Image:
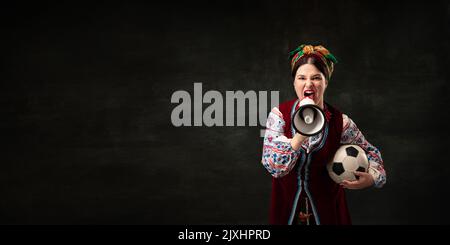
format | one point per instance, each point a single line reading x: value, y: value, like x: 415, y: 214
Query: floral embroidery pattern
x: 279, y: 157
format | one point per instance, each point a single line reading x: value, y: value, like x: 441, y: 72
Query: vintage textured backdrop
x: 85, y: 97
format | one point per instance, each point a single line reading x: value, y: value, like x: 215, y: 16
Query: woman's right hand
x: 297, y: 141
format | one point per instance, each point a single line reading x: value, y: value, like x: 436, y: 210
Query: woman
x: 302, y: 191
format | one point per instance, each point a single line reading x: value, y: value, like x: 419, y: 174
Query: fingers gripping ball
x: 348, y: 158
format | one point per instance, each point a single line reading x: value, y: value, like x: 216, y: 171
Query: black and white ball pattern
x: 348, y: 158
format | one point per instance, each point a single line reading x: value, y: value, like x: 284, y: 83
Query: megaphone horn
x: 308, y: 119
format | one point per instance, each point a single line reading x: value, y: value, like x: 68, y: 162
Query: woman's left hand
x: 365, y: 180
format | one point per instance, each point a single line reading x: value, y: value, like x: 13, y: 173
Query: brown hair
x: 312, y: 59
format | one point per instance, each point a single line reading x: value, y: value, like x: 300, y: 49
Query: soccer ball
x: 348, y: 158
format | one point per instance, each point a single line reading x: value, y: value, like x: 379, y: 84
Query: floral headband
x: 319, y: 51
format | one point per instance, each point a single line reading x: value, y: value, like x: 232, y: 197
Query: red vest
x: 309, y: 178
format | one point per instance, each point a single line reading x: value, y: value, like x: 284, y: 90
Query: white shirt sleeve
x: 278, y: 155
x: 352, y: 135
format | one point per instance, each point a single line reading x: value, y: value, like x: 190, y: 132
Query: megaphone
x: 308, y: 119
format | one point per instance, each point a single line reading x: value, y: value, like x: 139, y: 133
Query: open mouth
x: 309, y: 93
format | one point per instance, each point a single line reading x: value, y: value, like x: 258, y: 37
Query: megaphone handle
x: 297, y: 141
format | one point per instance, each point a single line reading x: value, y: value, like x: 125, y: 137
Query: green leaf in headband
x: 332, y: 58
x: 298, y: 49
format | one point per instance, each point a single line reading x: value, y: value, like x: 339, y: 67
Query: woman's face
x: 310, y: 82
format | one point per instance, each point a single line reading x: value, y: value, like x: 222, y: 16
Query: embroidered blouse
x: 279, y: 157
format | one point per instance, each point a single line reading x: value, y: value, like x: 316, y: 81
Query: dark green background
x: 85, y: 98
